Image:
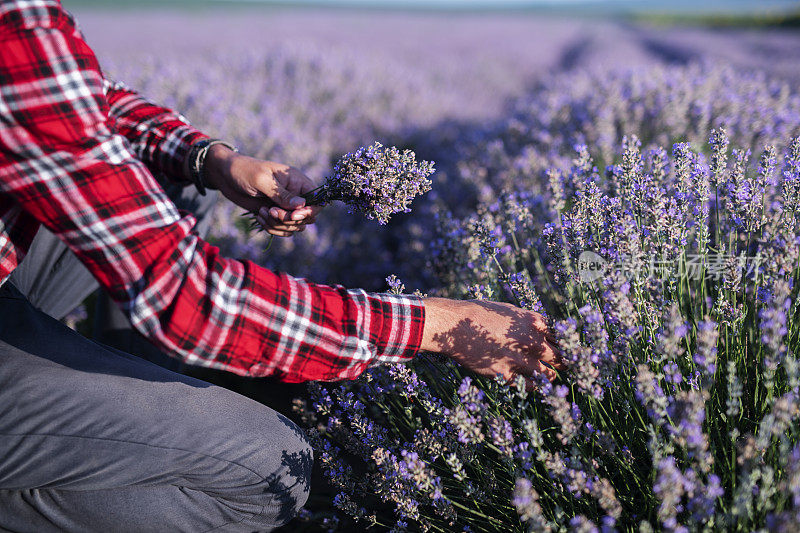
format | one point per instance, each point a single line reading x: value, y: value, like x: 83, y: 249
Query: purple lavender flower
x: 581, y: 524
x: 670, y: 488
x: 582, y: 362
x: 705, y: 356
x: 471, y: 396
x: 687, y: 413
x: 650, y: 394
x: 375, y: 181
x: 526, y: 500
x: 395, y: 285
x: 719, y: 155
x: 466, y: 424
x: 502, y: 435
x: 791, y: 178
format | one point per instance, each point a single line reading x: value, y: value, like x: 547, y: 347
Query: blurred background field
x: 461, y: 84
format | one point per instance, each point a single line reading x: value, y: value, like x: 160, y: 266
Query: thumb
x: 285, y: 198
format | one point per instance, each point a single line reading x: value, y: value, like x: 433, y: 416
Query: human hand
x: 270, y: 190
x: 491, y: 338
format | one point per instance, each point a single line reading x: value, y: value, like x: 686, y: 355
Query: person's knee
x: 269, y: 457
x: 293, y: 485
x: 283, y: 459
x: 285, y: 490
x: 297, y: 460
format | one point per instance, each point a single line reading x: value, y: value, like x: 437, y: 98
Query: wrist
x: 441, y: 317
x: 218, y: 165
x: 197, y: 163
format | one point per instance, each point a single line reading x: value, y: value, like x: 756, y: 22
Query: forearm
x: 159, y: 137
x: 219, y: 165
x: 442, y: 317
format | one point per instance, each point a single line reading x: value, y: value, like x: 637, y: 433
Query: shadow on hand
x: 501, y: 339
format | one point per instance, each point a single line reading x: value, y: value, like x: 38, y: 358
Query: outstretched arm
x: 491, y: 338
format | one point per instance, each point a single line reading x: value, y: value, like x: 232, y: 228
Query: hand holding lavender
x: 376, y: 181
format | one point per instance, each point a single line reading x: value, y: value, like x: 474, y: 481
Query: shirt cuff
x: 396, y: 326
x: 177, y: 145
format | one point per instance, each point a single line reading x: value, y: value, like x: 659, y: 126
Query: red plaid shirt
x: 76, y: 154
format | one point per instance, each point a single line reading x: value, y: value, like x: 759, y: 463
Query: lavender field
x: 668, y: 154
x: 304, y: 87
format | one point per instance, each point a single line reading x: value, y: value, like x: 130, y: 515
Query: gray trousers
x: 95, y: 439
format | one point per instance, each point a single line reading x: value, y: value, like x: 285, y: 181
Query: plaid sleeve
x: 64, y: 164
x: 158, y: 136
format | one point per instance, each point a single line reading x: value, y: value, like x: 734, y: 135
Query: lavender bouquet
x: 375, y: 181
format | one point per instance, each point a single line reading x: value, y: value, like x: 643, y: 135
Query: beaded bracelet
x: 197, y: 161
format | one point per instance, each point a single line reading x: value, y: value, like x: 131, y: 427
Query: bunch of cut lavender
x: 375, y: 181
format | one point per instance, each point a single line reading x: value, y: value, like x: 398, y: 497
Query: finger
x: 537, y: 367
x: 279, y: 233
x: 270, y: 224
x: 302, y: 215
x: 314, y: 210
x: 279, y: 216
x: 272, y: 188
x: 306, y: 221
x: 307, y: 214
x: 552, y: 357
x: 291, y: 224
x: 545, y: 362
x: 540, y: 325
x: 548, y: 372
x: 262, y: 222
x: 276, y: 213
x: 539, y: 321
x: 559, y: 362
x: 296, y: 217
x: 282, y: 227
x: 286, y: 225
x: 298, y: 183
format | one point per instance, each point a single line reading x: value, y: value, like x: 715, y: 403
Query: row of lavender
x: 670, y: 278
x: 304, y: 88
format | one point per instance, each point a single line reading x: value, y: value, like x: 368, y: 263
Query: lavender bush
x: 679, y: 409
x: 596, y: 107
